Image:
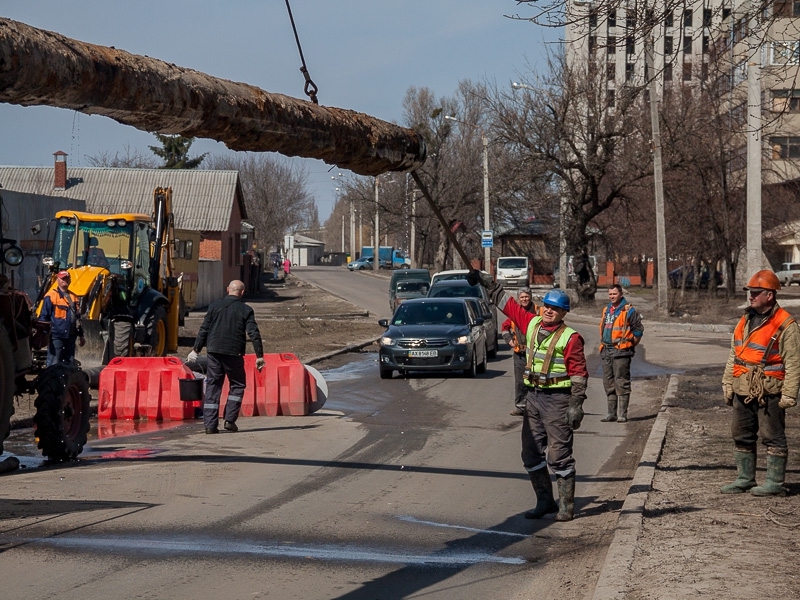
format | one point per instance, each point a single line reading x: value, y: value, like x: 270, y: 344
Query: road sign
x: 487, y: 234
x: 487, y: 243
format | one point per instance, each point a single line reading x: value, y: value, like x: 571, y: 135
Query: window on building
x: 787, y: 8
x: 593, y: 19
x: 687, y: 18
x: 611, y: 71
x: 705, y: 44
x: 668, y: 19
x: 629, y: 72
x: 592, y: 43
x: 687, y: 44
x: 630, y: 45
x: 668, y: 49
x: 667, y: 72
x: 630, y: 22
x: 726, y: 13
x: 740, y: 30
x: 784, y: 53
x: 786, y: 100
x: 612, y: 19
x: 610, y: 98
x: 785, y: 147
x: 706, y: 17
x: 611, y: 45
x: 687, y: 71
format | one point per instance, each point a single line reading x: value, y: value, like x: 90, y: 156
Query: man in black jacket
x: 223, y: 331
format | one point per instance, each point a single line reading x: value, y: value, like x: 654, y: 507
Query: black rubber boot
x: 612, y: 410
x: 623, y: 409
x: 776, y: 475
x: 545, y: 503
x: 566, y: 498
x: 746, y: 469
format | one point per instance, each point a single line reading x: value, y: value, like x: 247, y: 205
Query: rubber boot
x: 776, y: 475
x: 623, y: 409
x: 746, y: 479
x: 612, y: 410
x: 545, y: 503
x: 566, y: 498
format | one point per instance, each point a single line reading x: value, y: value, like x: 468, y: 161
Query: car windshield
x: 511, y: 263
x: 455, y: 291
x: 430, y: 314
x: 413, y: 286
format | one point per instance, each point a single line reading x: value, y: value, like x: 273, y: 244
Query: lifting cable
x: 310, y: 88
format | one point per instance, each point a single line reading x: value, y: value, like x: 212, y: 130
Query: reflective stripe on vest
x: 556, y: 376
x: 749, y: 351
x: 621, y: 334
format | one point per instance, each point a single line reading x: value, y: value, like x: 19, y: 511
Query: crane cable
x: 310, y: 89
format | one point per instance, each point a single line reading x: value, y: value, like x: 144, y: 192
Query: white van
x: 513, y: 271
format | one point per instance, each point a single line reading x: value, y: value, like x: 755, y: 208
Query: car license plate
x: 423, y: 353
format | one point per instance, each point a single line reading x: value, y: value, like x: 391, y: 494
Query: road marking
x: 476, y: 530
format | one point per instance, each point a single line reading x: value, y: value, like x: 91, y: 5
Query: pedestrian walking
x: 621, y: 331
x: 224, y: 330
x: 276, y: 265
x: 515, y: 338
x: 287, y: 266
x: 762, y: 380
x: 556, y: 377
x: 60, y: 309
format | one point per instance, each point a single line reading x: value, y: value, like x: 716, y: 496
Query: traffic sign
x: 487, y: 243
x: 487, y: 234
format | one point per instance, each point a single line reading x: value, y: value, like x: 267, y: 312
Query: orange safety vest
x: 621, y: 334
x: 518, y: 336
x: 760, y: 347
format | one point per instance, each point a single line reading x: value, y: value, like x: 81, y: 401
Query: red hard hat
x: 63, y: 275
x: 764, y: 280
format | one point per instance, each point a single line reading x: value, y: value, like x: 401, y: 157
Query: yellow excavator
x: 121, y: 268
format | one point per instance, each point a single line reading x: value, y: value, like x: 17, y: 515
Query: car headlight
x: 462, y: 339
x: 387, y: 341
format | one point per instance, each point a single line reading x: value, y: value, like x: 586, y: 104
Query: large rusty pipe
x: 40, y: 67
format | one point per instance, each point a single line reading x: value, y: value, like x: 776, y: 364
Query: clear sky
x: 362, y: 54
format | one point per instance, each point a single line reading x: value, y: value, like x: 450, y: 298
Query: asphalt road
x: 405, y: 488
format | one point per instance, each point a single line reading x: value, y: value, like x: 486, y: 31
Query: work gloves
x: 476, y: 277
x: 787, y: 402
x: 192, y: 356
x: 727, y: 393
x: 260, y: 363
x: 576, y: 399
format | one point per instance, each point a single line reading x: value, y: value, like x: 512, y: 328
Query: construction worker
x: 556, y: 377
x: 515, y: 338
x: 60, y: 309
x: 620, y: 332
x: 223, y: 330
x: 762, y: 380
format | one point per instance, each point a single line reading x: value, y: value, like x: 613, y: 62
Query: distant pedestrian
x: 276, y: 265
x: 60, y: 309
x: 223, y: 330
x: 762, y: 380
x: 621, y: 331
x: 515, y: 338
x: 287, y: 266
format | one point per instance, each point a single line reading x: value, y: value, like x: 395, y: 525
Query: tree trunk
x: 39, y: 67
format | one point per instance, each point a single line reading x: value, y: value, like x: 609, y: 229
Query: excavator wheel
x: 62, y: 412
x: 6, y: 385
x: 157, y: 331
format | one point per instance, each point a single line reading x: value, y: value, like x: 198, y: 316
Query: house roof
x: 202, y: 200
x: 304, y: 240
x: 531, y: 228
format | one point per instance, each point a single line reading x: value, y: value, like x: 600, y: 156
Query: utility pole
x: 376, y: 261
x: 412, y: 243
x: 487, y: 251
x: 661, y: 236
x: 754, y: 260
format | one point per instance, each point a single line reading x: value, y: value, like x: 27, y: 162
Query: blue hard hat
x: 558, y: 298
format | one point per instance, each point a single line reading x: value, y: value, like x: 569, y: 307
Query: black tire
x: 62, y: 412
x: 6, y: 385
x: 157, y: 331
x: 472, y: 370
x: 123, y: 331
x: 493, y: 352
x: 386, y: 373
x: 481, y: 368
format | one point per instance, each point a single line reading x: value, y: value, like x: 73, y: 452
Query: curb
x: 611, y: 584
x: 342, y: 350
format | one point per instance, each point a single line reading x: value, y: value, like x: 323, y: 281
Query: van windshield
x: 512, y: 263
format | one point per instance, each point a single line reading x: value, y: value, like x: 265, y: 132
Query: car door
x: 477, y: 330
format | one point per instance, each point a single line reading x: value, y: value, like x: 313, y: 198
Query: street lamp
x: 562, y: 217
x: 487, y: 251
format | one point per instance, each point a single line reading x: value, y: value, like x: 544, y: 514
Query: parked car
x: 460, y: 288
x: 406, y: 290
x: 452, y: 275
x: 420, y: 276
x: 789, y: 274
x: 676, y: 277
x: 483, y: 309
x: 433, y: 334
x: 365, y: 263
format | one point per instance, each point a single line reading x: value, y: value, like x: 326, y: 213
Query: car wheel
x: 481, y: 368
x: 472, y: 370
x: 493, y: 352
x: 386, y: 373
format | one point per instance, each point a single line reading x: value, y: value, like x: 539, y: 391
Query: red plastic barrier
x: 133, y: 388
x: 283, y: 387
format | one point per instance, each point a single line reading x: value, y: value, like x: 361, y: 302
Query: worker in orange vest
x: 516, y: 341
x: 762, y: 380
x: 60, y: 309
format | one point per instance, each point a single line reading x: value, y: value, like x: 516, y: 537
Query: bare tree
x: 126, y: 158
